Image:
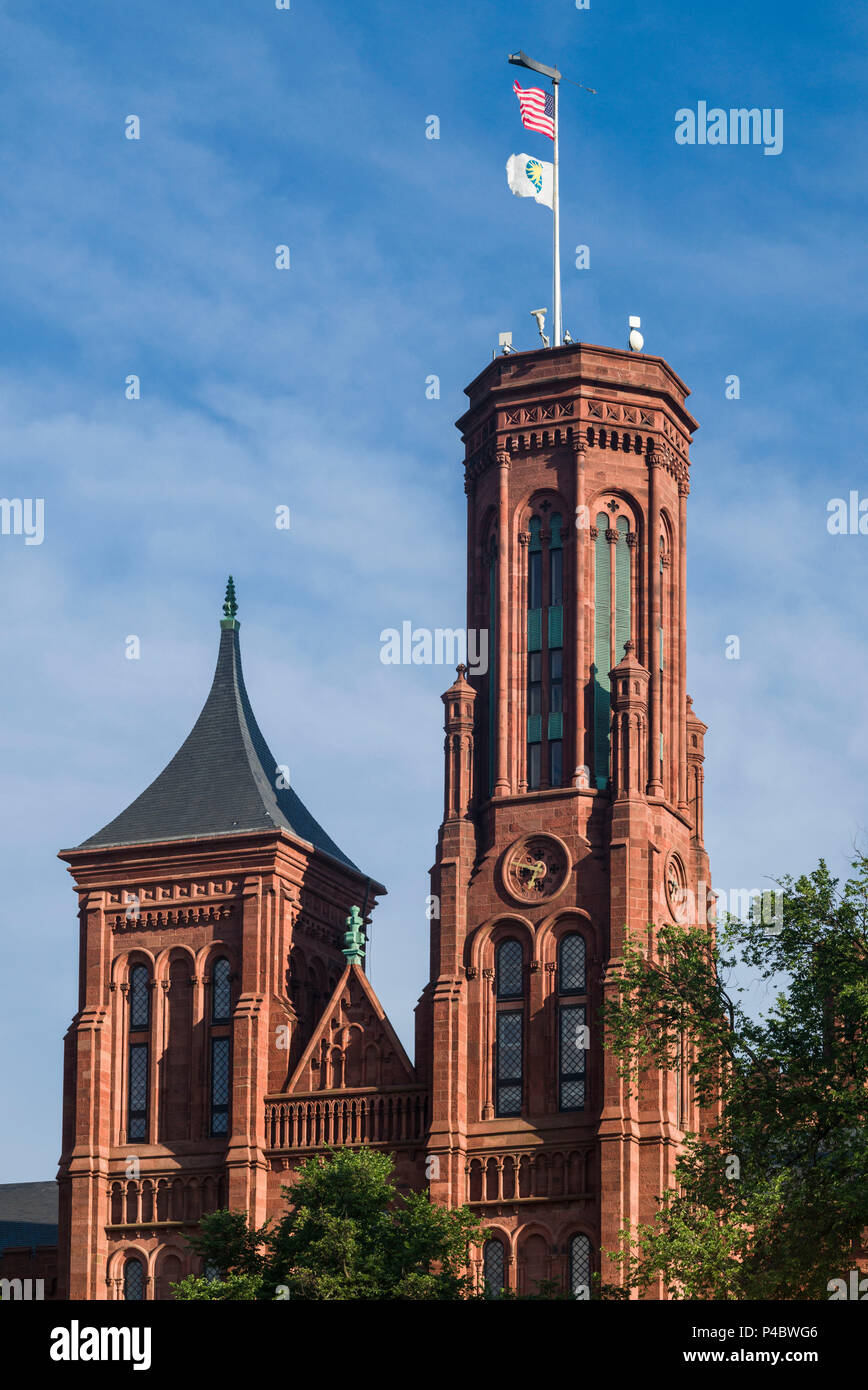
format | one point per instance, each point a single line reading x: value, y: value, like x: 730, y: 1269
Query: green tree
x: 771, y: 1198
x: 347, y: 1233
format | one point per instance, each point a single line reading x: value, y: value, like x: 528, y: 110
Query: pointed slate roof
x: 223, y: 779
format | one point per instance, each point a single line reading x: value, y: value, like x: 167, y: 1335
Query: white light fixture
x: 540, y: 316
x: 636, y: 341
x: 504, y: 340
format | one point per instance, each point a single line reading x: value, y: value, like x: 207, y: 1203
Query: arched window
x: 509, y: 970
x: 572, y: 1022
x: 138, y: 1062
x: 221, y: 991
x: 571, y: 964
x: 173, y: 1070
x: 545, y: 655
x: 492, y: 661
x: 509, y: 1035
x: 494, y: 1266
x: 613, y: 621
x: 140, y: 998
x: 170, y: 1273
x: 580, y: 1267
x: 134, y: 1280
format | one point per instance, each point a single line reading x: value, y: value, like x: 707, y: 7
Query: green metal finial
x: 354, y: 939
x: 230, y: 606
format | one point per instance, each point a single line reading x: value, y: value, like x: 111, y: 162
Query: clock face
x: 676, y: 888
x: 536, y: 868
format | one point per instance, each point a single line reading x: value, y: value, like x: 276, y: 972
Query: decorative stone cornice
x: 172, y: 917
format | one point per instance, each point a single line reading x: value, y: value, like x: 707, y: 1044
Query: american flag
x: 537, y: 109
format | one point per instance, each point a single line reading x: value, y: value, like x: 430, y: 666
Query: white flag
x: 530, y: 178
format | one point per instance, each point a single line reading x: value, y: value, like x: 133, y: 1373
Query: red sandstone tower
x: 219, y: 1016
x: 573, y: 806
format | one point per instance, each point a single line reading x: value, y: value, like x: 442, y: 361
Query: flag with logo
x: 530, y: 178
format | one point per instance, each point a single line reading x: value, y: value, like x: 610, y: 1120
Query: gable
x: 354, y: 1044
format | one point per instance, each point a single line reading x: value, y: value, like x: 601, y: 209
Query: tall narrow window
x: 572, y: 1020
x: 602, y: 651
x: 545, y: 640
x: 221, y: 991
x: 173, y: 1068
x: 492, y: 661
x: 534, y: 719
x: 140, y: 998
x: 662, y: 653
x: 509, y: 971
x: 580, y: 1266
x: 571, y: 964
x: 219, y: 1086
x: 509, y: 1028
x: 138, y: 1060
x: 623, y: 594
x: 680, y: 1088
x: 555, y: 644
x: 493, y: 1264
x: 134, y: 1281
x: 510, y: 1041
x: 534, y: 653
x: 221, y: 1046
x: 613, y: 619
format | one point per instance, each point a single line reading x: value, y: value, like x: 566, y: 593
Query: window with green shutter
x: 613, y: 627
x: 602, y: 652
x: 492, y: 660
x: 545, y: 640
x: 622, y: 588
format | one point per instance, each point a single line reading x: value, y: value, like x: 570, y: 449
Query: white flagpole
x: 557, y: 229
x: 521, y: 60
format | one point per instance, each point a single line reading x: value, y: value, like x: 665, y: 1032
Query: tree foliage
x: 771, y: 1197
x: 347, y: 1233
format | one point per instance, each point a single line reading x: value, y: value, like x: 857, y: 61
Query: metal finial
x: 230, y: 606
x: 354, y: 938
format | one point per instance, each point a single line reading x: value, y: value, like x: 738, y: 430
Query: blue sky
x: 307, y: 388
